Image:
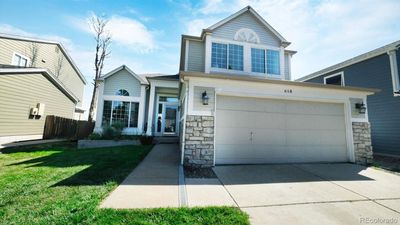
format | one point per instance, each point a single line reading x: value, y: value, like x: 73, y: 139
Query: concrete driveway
x: 313, y: 193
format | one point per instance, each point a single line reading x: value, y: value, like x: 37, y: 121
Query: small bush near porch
x: 57, y: 184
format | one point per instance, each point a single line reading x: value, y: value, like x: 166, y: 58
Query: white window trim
x: 394, y: 72
x: 334, y: 75
x: 246, y: 58
x: 15, y: 54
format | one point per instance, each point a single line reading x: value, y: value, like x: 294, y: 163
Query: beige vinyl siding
x: 122, y: 80
x: 247, y: 20
x: 198, y: 102
x: 19, y: 93
x: 48, y: 55
x: 196, y: 56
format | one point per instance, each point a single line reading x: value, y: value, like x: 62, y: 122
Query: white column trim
x: 150, y: 111
x: 207, y: 61
x: 99, y: 110
x: 186, y: 54
x: 141, y: 108
x: 394, y: 71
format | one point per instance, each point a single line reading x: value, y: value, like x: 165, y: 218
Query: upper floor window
x: 335, y: 79
x: 19, y: 60
x: 257, y: 60
x: 273, y: 65
x: 218, y: 55
x: 227, y: 56
x: 265, y: 61
x: 122, y: 92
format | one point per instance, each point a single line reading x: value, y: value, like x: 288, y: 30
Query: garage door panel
x: 315, y: 138
x: 253, y: 104
x: 315, y: 108
x: 233, y: 136
x: 314, y: 122
x: 282, y: 131
x: 243, y: 119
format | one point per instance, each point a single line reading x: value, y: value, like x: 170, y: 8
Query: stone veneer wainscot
x: 362, y: 143
x: 199, y: 141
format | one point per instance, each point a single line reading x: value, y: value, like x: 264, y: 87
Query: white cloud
x: 323, y: 32
x: 124, y: 31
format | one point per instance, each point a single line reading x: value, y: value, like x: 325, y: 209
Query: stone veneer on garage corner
x: 199, y: 141
x: 362, y: 143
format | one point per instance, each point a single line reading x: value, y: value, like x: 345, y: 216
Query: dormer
x: 243, y: 43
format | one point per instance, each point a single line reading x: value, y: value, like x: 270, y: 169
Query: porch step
x: 166, y: 140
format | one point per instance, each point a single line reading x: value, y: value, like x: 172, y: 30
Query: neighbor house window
x: 335, y: 79
x: 122, y: 92
x: 273, y: 65
x: 227, y: 56
x: 122, y: 112
x: 19, y: 60
x: 257, y: 60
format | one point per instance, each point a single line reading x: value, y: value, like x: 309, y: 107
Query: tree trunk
x: 92, y: 102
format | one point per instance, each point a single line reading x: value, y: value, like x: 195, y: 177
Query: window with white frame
x: 273, y: 64
x: 122, y: 92
x: 335, y: 79
x: 265, y: 60
x: 19, y: 60
x: 257, y: 60
x: 227, y: 56
x: 121, y: 112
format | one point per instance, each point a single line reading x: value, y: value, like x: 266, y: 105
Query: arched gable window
x: 122, y: 92
x: 247, y: 35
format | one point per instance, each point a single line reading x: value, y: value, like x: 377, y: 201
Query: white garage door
x: 255, y: 130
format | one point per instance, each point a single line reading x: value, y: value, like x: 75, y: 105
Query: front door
x: 166, y: 121
x: 170, y: 120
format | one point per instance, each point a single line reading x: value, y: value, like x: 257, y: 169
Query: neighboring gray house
x: 37, y: 78
x: 379, y: 69
x: 234, y: 103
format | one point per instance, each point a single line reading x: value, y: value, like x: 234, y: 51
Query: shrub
x: 95, y: 136
x: 118, y: 127
x: 146, y: 140
x: 108, y: 132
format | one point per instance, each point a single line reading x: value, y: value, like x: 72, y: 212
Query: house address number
x: 288, y: 91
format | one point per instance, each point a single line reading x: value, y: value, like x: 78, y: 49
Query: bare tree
x: 33, y: 53
x: 59, y: 65
x: 103, y: 41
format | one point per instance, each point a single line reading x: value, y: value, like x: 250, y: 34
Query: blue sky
x: 146, y: 34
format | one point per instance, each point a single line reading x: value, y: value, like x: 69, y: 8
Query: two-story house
x: 378, y: 68
x: 37, y: 78
x: 234, y: 103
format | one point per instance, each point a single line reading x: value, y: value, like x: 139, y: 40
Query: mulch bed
x: 387, y: 163
x: 199, y: 172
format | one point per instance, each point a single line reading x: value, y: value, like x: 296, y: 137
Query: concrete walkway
x: 152, y: 184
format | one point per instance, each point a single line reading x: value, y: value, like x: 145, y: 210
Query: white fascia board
x: 270, y: 90
x: 116, y: 70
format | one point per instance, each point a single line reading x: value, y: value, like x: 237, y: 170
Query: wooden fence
x: 59, y: 127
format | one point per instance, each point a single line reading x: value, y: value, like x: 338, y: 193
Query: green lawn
x: 58, y: 184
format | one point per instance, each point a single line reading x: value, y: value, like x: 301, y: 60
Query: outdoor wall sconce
x: 205, y: 98
x: 361, y: 108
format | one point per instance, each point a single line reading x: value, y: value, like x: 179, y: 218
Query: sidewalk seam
x: 182, y: 188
